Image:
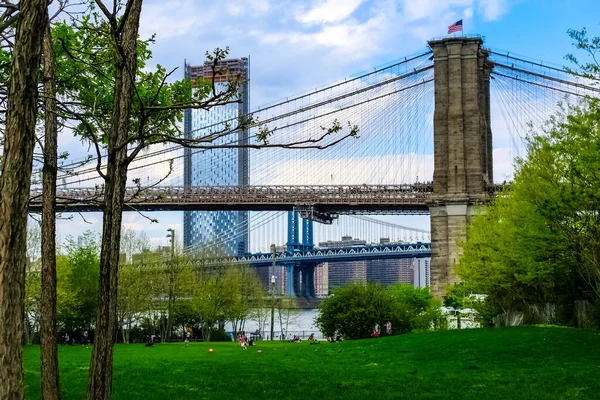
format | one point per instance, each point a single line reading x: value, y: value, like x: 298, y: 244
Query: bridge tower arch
x: 462, y: 150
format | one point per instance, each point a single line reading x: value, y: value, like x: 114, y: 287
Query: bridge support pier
x: 300, y: 277
x: 300, y: 280
x: 462, y: 150
x: 297, y: 281
x: 448, y: 232
x: 308, y: 281
x: 289, y: 283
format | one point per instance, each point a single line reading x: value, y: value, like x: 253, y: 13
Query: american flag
x: 455, y: 27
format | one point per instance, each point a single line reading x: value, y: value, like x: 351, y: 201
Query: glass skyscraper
x: 224, y: 232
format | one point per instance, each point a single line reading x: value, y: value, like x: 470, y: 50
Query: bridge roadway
x: 351, y: 253
x: 409, y: 198
x: 319, y: 255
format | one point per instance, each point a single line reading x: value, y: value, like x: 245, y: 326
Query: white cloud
x: 171, y: 19
x: 245, y: 7
x: 427, y: 9
x: 468, y: 13
x: 329, y: 11
x: 93, y: 221
x: 352, y: 40
x: 493, y: 9
x: 503, y: 164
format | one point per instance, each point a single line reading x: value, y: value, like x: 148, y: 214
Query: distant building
x: 346, y: 241
x: 225, y: 231
x: 390, y: 272
x: 421, y: 271
x: 322, y: 280
x: 343, y: 272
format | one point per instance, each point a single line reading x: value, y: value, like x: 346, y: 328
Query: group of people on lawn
x: 244, y: 341
x: 377, y: 329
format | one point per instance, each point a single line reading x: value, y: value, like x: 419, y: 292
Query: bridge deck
x: 406, y: 199
x: 338, y: 199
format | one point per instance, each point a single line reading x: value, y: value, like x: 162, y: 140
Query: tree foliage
x: 354, y: 309
x: 540, y: 242
x: 77, y: 276
x: 288, y: 310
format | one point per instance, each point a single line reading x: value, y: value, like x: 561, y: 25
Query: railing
x: 338, y: 199
x: 396, y: 250
x: 242, y: 197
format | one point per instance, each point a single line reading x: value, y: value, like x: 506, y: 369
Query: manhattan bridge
x: 424, y: 147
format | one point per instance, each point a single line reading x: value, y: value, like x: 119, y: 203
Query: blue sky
x: 296, y: 46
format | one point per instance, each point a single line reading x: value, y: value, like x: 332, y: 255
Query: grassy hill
x: 502, y: 363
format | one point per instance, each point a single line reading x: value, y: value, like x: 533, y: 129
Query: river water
x: 301, y: 323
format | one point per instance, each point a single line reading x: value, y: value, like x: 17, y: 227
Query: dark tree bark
x: 100, y: 379
x: 48, y: 348
x: 14, y: 190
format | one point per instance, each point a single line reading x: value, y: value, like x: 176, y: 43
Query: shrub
x: 416, y: 307
x: 353, y: 310
x: 219, y: 335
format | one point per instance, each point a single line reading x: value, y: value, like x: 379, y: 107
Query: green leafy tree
x: 134, y: 298
x: 414, y: 307
x: 354, y: 309
x: 213, y: 296
x: 32, y: 283
x: 539, y: 242
x: 134, y: 284
x: 247, y: 293
x: 288, y: 310
x: 77, y: 292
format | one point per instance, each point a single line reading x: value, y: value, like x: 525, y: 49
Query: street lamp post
x: 272, y: 286
x: 171, y: 299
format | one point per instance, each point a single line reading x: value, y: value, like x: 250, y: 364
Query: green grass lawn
x: 506, y: 363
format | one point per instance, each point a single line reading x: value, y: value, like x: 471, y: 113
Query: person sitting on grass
x: 149, y: 341
x: 375, y: 331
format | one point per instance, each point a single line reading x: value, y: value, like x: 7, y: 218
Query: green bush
x: 219, y: 335
x: 419, y: 307
x: 354, y: 309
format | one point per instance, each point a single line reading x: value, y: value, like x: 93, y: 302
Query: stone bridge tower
x: 462, y: 150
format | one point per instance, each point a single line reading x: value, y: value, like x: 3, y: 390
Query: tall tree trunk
x: 100, y: 378
x: 14, y: 191
x: 48, y: 348
x: 171, y: 303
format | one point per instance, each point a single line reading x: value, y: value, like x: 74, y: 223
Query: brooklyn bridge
x: 425, y: 146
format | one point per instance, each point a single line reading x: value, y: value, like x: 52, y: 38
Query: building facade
x: 390, y: 272
x: 421, y: 272
x: 218, y: 232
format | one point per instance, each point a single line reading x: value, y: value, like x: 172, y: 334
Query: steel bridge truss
x: 319, y: 255
x: 320, y: 203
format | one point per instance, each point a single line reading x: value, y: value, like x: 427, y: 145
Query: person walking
x: 188, y: 334
x: 243, y: 341
x: 388, y: 328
